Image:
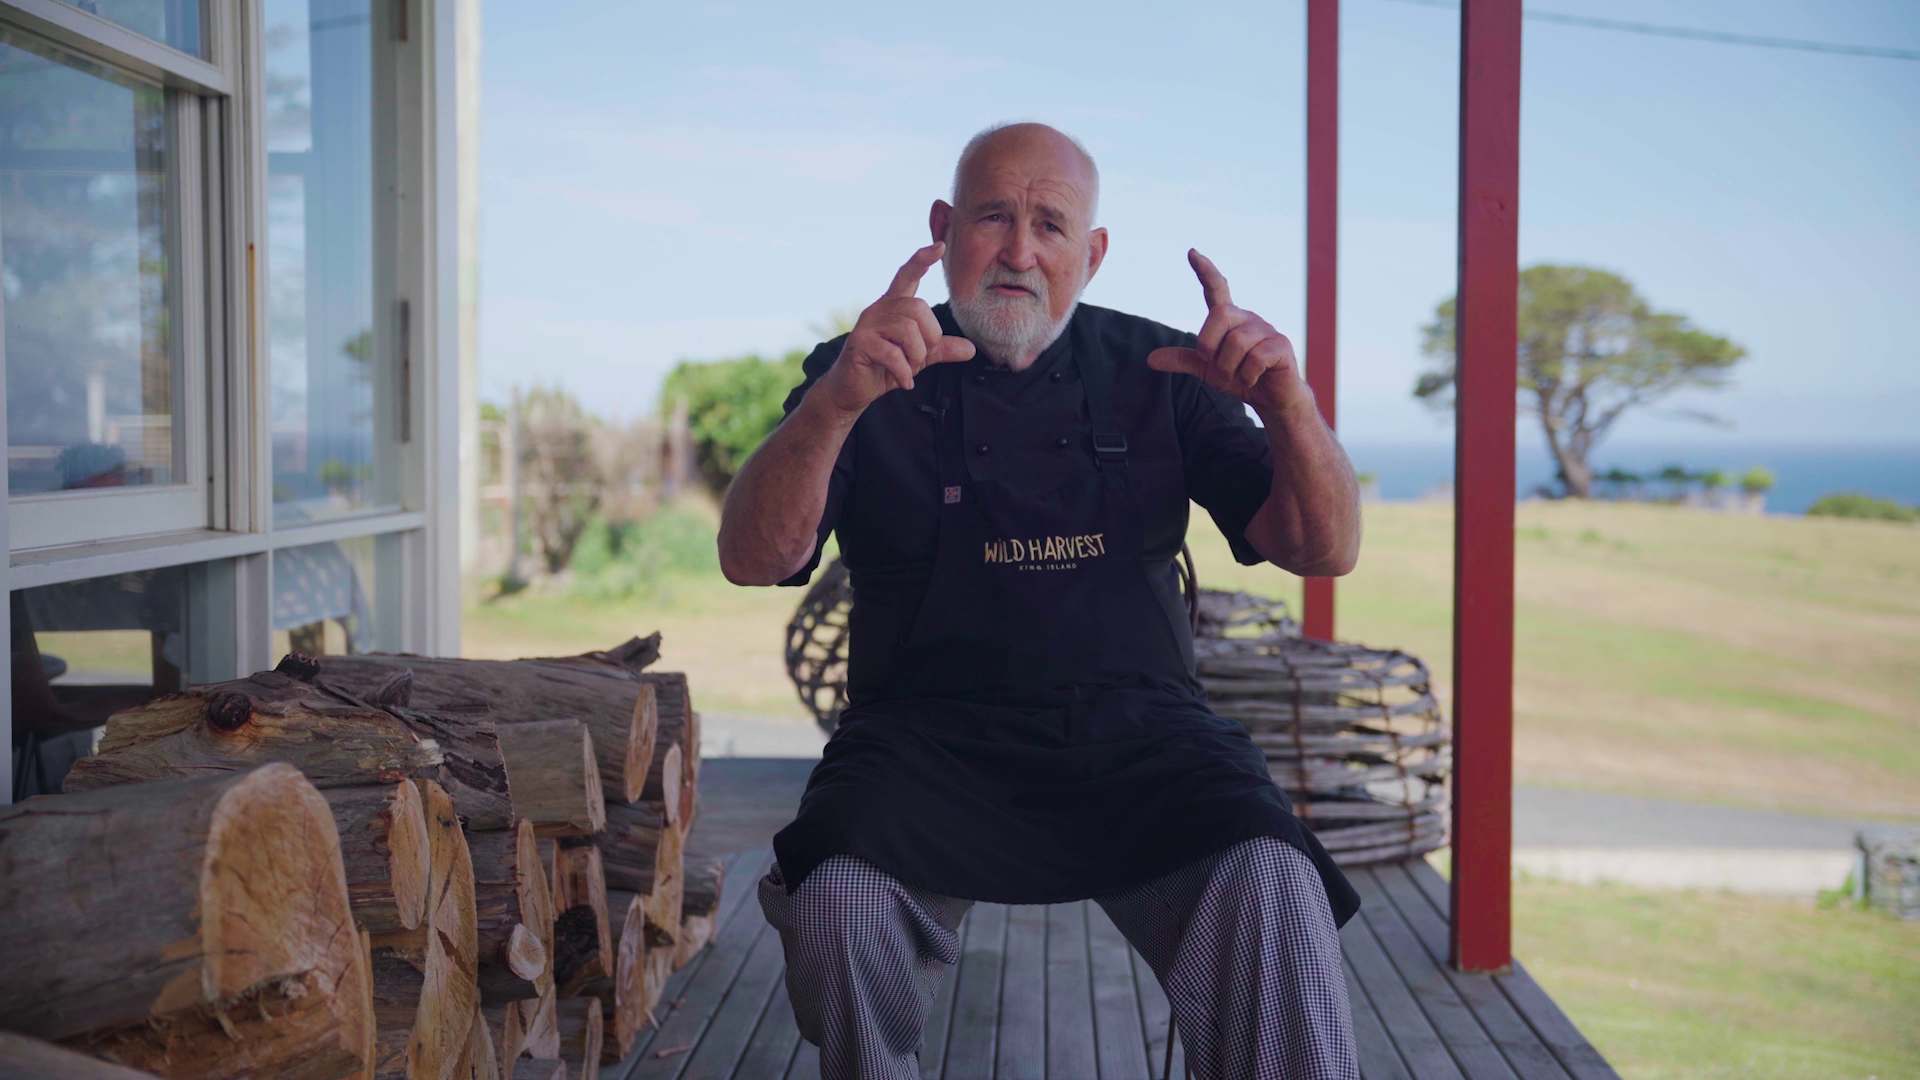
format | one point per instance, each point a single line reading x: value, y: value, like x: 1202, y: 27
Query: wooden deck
x: 1056, y: 992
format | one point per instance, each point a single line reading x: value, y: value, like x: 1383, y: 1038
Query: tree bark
x: 163, y: 924
x: 337, y: 740
x: 630, y: 846
x: 385, y: 851
x: 699, y: 907
x: 513, y: 911
x: 22, y: 1058
x: 605, y: 693
x: 582, y: 1037
x: 678, y: 726
x: 555, y: 782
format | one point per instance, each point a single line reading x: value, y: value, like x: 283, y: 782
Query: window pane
x: 171, y: 22
x: 327, y: 360
x: 338, y: 598
x: 84, y: 650
x: 84, y: 273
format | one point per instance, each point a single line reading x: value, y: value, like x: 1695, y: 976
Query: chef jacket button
x: 982, y: 449
x: 1057, y: 376
x: 979, y: 377
x: 1061, y: 442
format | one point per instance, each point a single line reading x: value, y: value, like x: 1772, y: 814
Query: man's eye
x: 1051, y: 227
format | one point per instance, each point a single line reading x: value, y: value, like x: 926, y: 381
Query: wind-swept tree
x: 1591, y: 348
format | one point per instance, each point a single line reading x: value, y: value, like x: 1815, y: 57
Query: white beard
x: 1011, y: 330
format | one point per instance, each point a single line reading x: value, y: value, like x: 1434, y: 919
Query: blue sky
x: 703, y: 180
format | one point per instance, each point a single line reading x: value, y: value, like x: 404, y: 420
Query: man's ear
x: 938, y: 219
x: 1096, y: 251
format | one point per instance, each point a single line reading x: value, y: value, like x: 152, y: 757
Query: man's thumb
x: 1178, y: 361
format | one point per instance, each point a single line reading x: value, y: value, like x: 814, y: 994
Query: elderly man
x: 1009, y: 476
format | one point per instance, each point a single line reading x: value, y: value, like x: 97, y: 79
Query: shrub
x: 732, y: 406
x: 1854, y: 505
x: 618, y: 560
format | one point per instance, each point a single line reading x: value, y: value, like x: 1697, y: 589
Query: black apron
x: 1037, y: 734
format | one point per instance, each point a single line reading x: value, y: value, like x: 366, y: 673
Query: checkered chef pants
x: 1243, y: 942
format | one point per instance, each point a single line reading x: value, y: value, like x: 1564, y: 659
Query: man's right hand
x: 893, y: 341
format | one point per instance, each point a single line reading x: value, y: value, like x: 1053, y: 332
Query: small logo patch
x: 952, y: 495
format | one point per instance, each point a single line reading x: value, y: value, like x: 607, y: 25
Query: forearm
x: 1310, y: 523
x: 771, y: 518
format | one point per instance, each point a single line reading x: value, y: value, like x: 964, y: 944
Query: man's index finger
x: 1213, y: 284
x: 906, y: 282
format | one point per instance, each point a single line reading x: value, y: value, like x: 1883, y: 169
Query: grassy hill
x: 1662, y: 650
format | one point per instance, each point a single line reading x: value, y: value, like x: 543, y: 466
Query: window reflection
x: 84, y: 273
x: 326, y: 364
x: 171, y: 22
x: 325, y: 596
x: 85, y: 650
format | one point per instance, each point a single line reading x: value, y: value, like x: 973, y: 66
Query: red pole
x: 1323, y: 249
x: 1485, y: 331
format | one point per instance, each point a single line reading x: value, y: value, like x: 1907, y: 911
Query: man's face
x: 1020, y: 244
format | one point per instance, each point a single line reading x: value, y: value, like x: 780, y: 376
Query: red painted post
x: 1323, y: 249
x: 1482, y: 938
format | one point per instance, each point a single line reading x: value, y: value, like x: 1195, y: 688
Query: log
x: 385, y: 851
x: 427, y: 980
x: 630, y: 845
x: 513, y: 910
x: 508, y: 1032
x: 582, y: 1036
x: 199, y: 923
x: 22, y: 1058
x: 336, y: 739
x: 676, y: 727
x: 665, y: 899
x: 699, y: 907
x: 580, y: 882
x: 539, y: 1018
x: 555, y: 782
x: 539, y: 1069
x: 603, y: 690
x: 478, y: 1061
x: 623, y: 996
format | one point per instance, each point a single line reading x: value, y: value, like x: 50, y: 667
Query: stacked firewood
x: 364, y: 866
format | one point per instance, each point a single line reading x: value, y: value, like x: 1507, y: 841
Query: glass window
x: 170, y: 22
x: 328, y: 356
x: 337, y: 598
x: 85, y: 650
x: 85, y: 274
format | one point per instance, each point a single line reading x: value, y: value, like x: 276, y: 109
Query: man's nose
x: 1018, y: 253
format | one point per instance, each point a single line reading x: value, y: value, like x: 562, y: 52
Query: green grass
x: 1672, y: 985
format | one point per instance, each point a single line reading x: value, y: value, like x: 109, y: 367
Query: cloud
x: 906, y: 63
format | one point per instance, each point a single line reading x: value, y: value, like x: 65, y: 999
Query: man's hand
x: 893, y: 340
x: 1240, y: 354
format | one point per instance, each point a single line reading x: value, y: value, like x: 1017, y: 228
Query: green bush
x: 732, y: 406
x: 1854, y: 505
x: 624, y: 560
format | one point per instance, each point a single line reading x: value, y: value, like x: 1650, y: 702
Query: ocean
x: 1802, y: 472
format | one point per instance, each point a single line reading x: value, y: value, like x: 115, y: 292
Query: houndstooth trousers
x: 1242, y: 941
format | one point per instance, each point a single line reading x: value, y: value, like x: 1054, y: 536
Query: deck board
x: 1056, y: 992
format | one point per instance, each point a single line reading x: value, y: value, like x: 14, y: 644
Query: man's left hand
x: 1240, y: 354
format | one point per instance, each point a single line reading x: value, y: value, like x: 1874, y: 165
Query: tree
x: 1591, y: 348
x: 732, y: 406
x: 559, y: 472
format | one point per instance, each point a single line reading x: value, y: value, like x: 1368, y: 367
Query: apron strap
x: 1109, y: 444
x: 949, y: 433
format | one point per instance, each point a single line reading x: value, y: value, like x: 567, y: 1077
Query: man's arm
x: 771, y: 517
x: 1310, y: 522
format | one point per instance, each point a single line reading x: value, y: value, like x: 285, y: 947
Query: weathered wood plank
x: 737, y: 919
x: 1070, y: 1039
x: 1516, y: 1041
x: 681, y: 1027
x: 1413, y: 1035
x: 1575, y: 1054
x: 1118, y: 1036
x: 1156, y: 1019
x: 771, y: 1048
x: 725, y: 1038
x: 1459, y: 1029
x: 1378, y: 1058
x: 973, y: 1033
x: 806, y: 1063
x: 1022, y: 1050
x: 933, y: 1043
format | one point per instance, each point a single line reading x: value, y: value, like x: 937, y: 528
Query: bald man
x: 1009, y: 476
